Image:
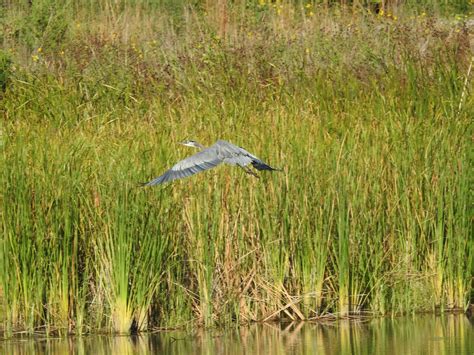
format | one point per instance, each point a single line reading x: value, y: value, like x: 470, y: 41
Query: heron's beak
x: 187, y: 144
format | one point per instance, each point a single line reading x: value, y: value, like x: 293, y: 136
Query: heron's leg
x: 248, y: 171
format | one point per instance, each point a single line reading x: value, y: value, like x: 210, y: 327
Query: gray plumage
x: 207, y: 158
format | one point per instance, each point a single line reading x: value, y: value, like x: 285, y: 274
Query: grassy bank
x: 368, y: 114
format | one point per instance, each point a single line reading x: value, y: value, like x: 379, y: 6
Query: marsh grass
x: 371, y: 213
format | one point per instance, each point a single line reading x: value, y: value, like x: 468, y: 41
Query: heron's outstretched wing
x: 204, y: 160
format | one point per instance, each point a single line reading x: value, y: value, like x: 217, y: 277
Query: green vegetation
x: 368, y: 114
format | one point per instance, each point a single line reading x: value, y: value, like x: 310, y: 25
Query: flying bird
x: 207, y: 158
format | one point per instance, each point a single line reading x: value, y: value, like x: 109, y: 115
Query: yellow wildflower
x: 35, y: 58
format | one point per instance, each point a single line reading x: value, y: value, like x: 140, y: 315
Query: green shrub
x: 45, y: 24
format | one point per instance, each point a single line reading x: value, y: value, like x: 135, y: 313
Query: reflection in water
x: 417, y: 335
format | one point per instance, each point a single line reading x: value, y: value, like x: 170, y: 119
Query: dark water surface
x: 448, y: 334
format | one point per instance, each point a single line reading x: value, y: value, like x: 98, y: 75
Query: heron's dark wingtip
x: 273, y: 169
x: 259, y: 165
x: 150, y: 183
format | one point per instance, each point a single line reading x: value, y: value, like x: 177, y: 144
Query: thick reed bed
x: 368, y: 115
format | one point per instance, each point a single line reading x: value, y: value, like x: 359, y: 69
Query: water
x: 448, y: 334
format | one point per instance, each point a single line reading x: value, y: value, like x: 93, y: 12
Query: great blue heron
x: 207, y: 158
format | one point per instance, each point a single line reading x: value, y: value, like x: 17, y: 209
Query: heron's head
x: 193, y: 144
